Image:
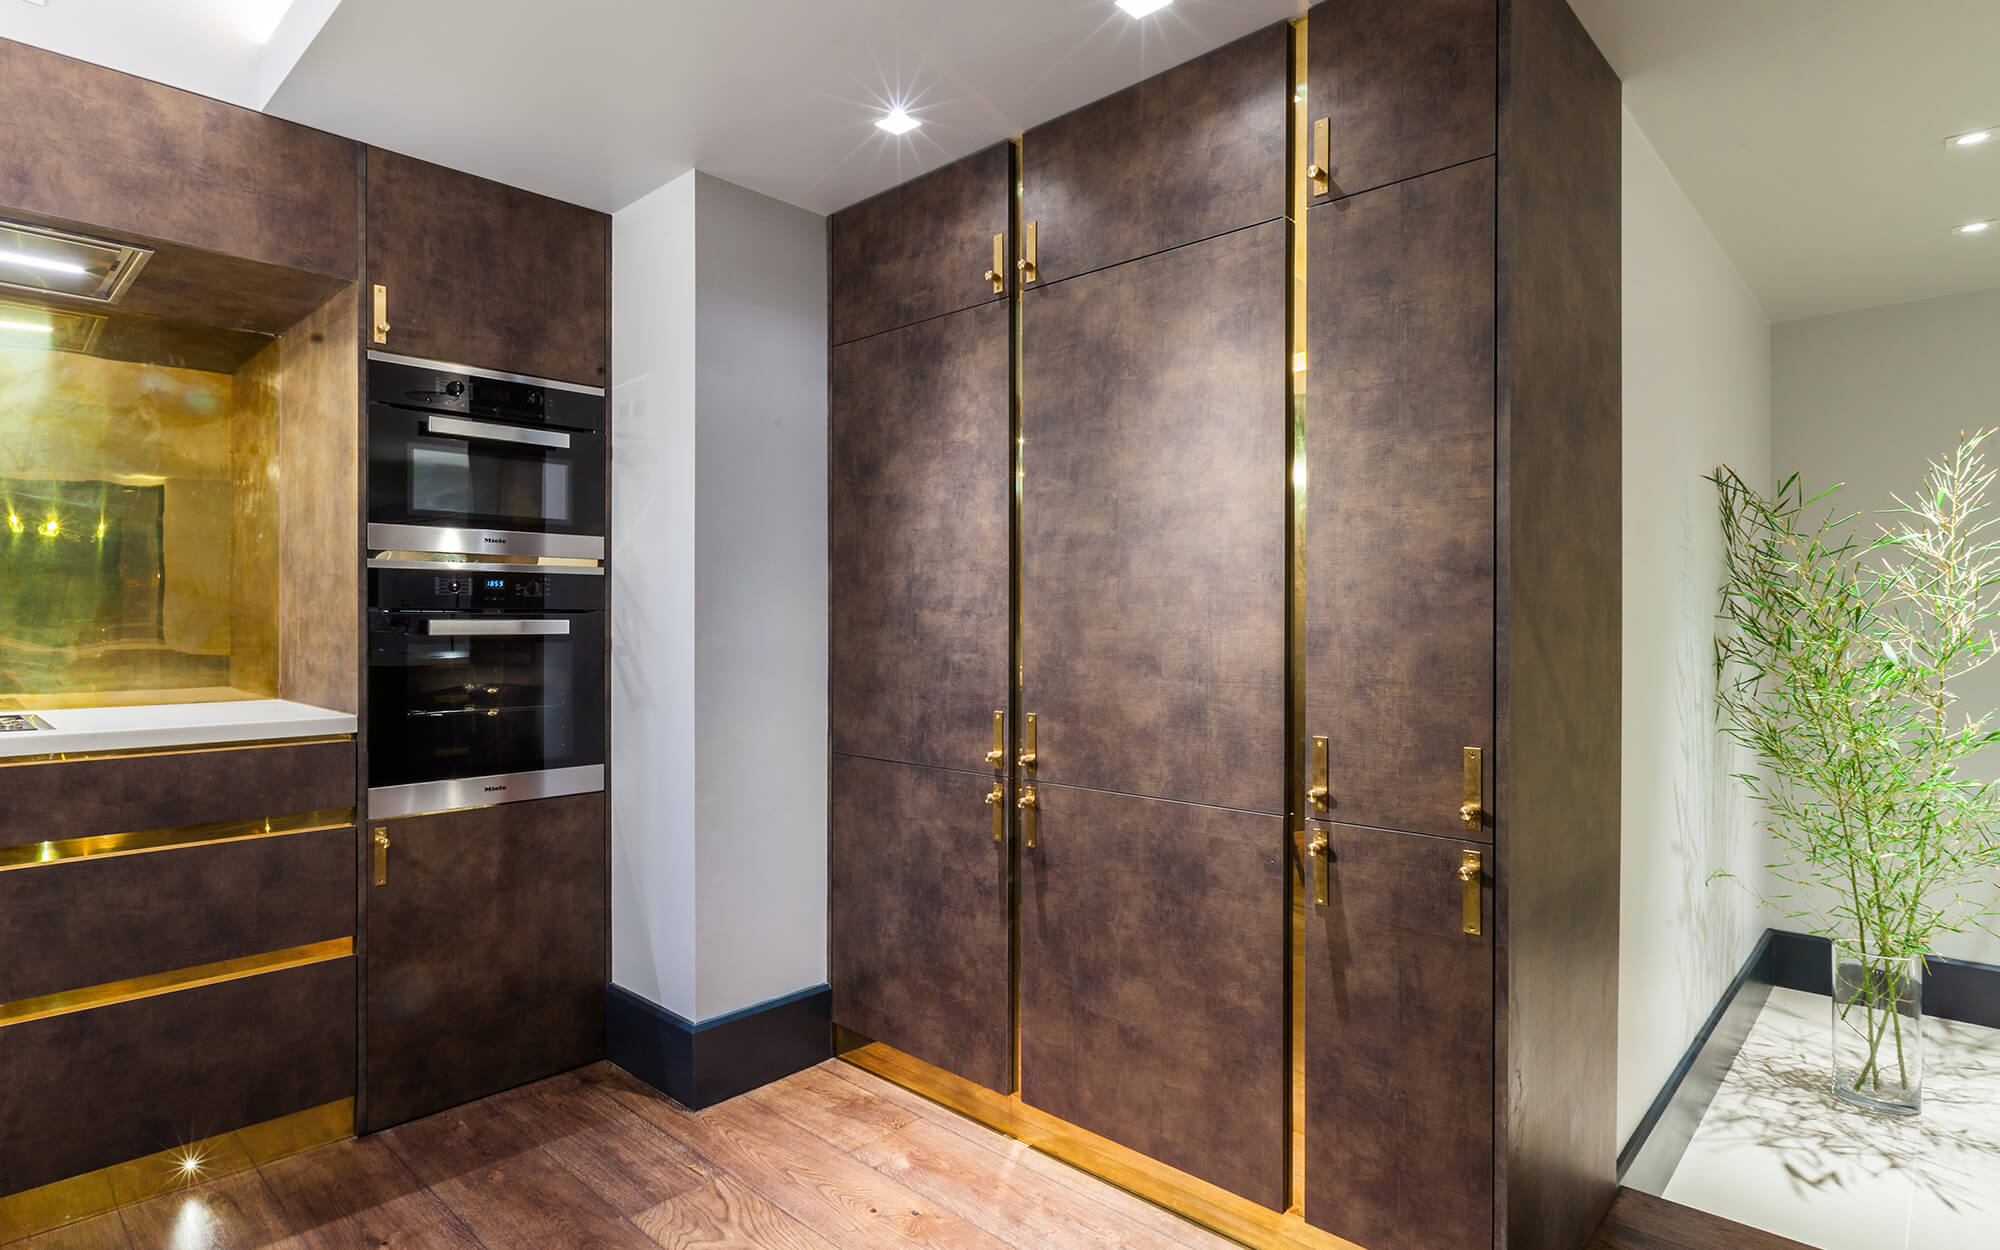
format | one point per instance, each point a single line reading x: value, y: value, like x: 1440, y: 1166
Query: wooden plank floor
x: 829, y: 1159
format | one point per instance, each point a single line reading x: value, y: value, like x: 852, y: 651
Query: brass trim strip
x: 111, y: 845
x: 74, y: 757
x: 68, y: 1001
x: 1189, y: 1197
x: 1296, y: 900
x: 49, y: 1207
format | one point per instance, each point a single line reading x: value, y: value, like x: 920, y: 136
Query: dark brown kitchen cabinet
x: 1154, y: 426
x: 919, y: 915
x: 920, y: 448
x: 1186, y: 155
x: 924, y: 248
x: 1152, y: 987
x: 1400, y: 538
x: 487, y: 275
x: 1405, y: 89
x: 486, y: 954
x: 1399, y: 1068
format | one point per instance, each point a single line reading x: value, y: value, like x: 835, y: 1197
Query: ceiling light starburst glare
x: 897, y: 121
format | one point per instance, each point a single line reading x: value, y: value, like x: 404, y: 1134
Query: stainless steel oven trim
x: 422, y: 798
x: 496, y: 627
x: 551, y: 384
x: 452, y: 541
x: 488, y: 432
x: 479, y: 566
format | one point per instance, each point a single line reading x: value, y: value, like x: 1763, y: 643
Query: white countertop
x: 82, y: 729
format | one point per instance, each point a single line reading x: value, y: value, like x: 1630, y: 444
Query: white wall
x: 760, y: 597
x: 653, y: 497
x: 1869, y: 399
x: 719, y: 627
x: 1697, y: 363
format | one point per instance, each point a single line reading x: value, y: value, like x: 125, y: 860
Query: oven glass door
x: 453, y: 696
x: 441, y: 471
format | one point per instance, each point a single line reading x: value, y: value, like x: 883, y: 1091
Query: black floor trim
x: 699, y: 1065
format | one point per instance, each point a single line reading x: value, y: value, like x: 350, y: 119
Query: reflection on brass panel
x: 109, y: 844
x: 75, y: 757
x: 49, y: 1207
x: 1187, y: 1196
x: 69, y: 1001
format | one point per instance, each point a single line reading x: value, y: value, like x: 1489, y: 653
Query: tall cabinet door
x: 1399, y: 1046
x: 920, y: 550
x: 1406, y: 89
x: 1154, y: 425
x: 487, y: 953
x: 1400, y: 524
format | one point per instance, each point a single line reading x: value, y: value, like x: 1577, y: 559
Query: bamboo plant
x: 1837, y: 668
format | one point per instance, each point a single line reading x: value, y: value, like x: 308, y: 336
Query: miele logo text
x: 498, y: 542
x: 493, y: 789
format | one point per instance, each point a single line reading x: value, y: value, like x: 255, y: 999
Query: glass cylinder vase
x: 1878, y: 1030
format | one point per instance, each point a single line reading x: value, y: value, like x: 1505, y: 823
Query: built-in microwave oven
x: 485, y: 683
x: 473, y: 462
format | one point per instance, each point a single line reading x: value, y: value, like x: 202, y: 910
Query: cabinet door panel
x: 921, y: 420
x: 488, y: 275
x: 1155, y: 423
x: 486, y: 959
x: 1407, y: 88
x: 1186, y: 155
x: 1400, y: 537
x: 1399, y: 1048
x: 919, y: 906
x: 921, y: 249
x: 1153, y: 981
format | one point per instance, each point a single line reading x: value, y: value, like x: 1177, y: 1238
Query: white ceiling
x: 601, y: 101
x: 1808, y: 133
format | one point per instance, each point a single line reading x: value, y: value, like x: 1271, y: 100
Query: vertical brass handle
x: 1028, y: 758
x: 1317, y: 793
x: 1471, y: 813
x: 1319, y: 852
x: 381, y: 855
x: 382, y: 326
x: 1470, y: 877
x: 998, y: 274
x: 1028, y: 805
x: 1321, y: 169
x: 997, y: 800
x: 1030, y: 255
x: 997, y: 757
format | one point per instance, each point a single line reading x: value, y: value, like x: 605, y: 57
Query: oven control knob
x: 454, y: 389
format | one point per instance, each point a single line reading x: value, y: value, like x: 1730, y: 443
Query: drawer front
x: 86, y: 798
x: 91, y: 921
x: 89, y: 1089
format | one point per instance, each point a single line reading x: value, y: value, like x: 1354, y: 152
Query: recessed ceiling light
x: 898, y: 121
x: 45, y: 260
x: 21, y: 260
x: 1977, y: 227
x: 1140, y: 8
x: 25, y: 327
x: 1971, y: 140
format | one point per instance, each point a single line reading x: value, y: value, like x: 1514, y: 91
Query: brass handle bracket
x: 381, y: 843
x: 1472, y: 813
x: 997, y: 800
x: 1029, y: 805
x: 1030, y: 255
x: 997, y: 757
x: 382, y: 326
x: 998, y: 274
x: 1471, y: 875
x: 1319, y: 854
x: 1318, y: 794
x: 1028, y: 757
x: 1320, y: 172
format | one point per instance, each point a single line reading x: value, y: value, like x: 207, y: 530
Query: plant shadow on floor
x: 1778, y: 1098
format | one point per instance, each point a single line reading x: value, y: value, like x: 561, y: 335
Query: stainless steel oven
x: 473, y: 462
x: 485, y: 684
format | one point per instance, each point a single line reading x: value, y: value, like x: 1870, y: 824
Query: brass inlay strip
x: 107, y: 845
x: 54, y: 1205
x: 1296, y: 901
x: 1192, y: 1198
x: 72, y: 757
x: 68, y: 1001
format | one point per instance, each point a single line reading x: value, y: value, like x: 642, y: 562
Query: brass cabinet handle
x: 1471, y: 866
x: 1027, y: 758
x: 1028, y: 805
x: 1470, y: 813
x: 1319, y: 852
x: 997, y: 757
x: 997, y: 800
x: 1317, y: 793
x: 1321, y: 169
x: 382, y: 326
x: 381, y: 855
x: 1030, y: 254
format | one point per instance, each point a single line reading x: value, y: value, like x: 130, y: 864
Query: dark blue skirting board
x: 699, y: 1065
x: 1953, y: 990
